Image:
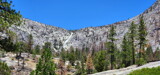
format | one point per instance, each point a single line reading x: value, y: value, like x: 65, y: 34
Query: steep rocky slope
x: 90, y: 37
x: 41, y: 33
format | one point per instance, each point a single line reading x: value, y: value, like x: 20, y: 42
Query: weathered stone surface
x: 90, y: 36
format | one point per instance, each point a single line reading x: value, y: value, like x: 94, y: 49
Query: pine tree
x: 45, y: 65
x: 132, y: 36
x: 157, y: 54
x: 55, y: 44
x: 71, y: 56
x: 142, y: 37
x: 63, y: 55
x: 100, y: 61
x: 126, y: 52
x: 7, y: 44
x: 149, y: 54
x: 112, y: 45
x: 8, y: 16
x: 81, y: 70
x: 20, y: 47
x: 78, y: 54
x: 77, y: 65
x: 60, y: 44
x: 37, y: 49
x: 30, y: 44
x: 47, y: 45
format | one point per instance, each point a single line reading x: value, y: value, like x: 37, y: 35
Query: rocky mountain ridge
x: 92, y: 37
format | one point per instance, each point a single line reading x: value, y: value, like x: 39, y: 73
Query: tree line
x: 135, y: 49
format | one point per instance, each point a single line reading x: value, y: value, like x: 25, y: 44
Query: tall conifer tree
x: 112, y: 45
x: 132, y: 36
x: 142, y: 36
x: 126, y: 52
x: 30, y: 44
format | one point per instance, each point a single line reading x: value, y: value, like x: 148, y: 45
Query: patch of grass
x: 147, y: 71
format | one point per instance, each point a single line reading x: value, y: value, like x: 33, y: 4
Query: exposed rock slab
x: 91, y: 36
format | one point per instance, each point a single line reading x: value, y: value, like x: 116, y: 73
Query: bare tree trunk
x: 28, y: 55
x: 18, y: 61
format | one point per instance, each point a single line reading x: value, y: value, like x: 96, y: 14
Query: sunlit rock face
x: 91, y: 37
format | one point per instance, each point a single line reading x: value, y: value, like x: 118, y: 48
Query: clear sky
x: 77, y: 14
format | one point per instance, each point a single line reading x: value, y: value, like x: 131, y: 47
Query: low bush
x: 4, y: 69
x: 141, y: 61
x: 147, y: 71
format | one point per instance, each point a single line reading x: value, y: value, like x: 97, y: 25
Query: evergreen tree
x: 30, y: 44
x: 81, y: 70
x: 157, y: 54
x: 60, y: 44
x: 78, y: 54
x: 142, y: 37
x: 132, y: 36
x: 37, y: 49
x: 112, y: 46
x: 47, y: 45
x: 55, y: 44
x: 118, y: 56
x: 100, y: 61
x: 33, y: 54
x: 63, y: 55
x: 77, y: 65
x: 45, y: 65
x: 126, y: 52
x: 149, y: 54
x: 8, y: 16
x: 7, y: 44
x: 20, y: 47
x: 71, y: 56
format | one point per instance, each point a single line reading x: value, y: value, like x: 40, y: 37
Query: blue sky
x: 77, y: 14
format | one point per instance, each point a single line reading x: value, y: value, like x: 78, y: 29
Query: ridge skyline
x: 81, y: 24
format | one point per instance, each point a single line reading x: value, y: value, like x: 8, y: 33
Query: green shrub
x: 4, y: 69
x: 147, y: 71
x: 141, y: 61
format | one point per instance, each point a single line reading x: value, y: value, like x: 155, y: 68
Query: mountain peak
x: 155, y: 6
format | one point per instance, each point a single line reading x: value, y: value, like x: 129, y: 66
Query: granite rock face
x: 91, y: 36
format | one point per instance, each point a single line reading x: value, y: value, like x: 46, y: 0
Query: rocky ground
x: 29, y: 63
x: 12, y: 62
x: 125, y: 71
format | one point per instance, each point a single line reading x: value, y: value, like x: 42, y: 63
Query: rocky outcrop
x: 91, y: 36
x: 41, y: 33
